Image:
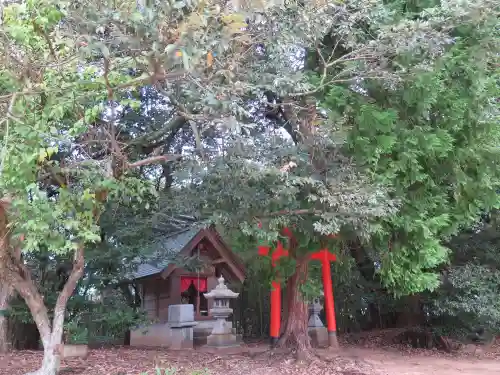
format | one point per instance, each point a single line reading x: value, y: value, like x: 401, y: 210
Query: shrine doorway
x: 193, y: 289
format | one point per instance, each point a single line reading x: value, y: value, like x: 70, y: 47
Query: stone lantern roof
x: 221, y: 291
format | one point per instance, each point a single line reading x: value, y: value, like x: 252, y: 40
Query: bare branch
x: 307, y: 211
x: 134, y: 82
x: 42, y: 32
x: 154, y: 160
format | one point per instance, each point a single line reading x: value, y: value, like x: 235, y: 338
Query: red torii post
x: 275, y: 324
x: 325, y: 257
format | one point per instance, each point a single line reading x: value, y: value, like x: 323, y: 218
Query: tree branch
x: 140, y: 81
x: 306, y: 211
x: 106, y: 80
x: 42, y: 32
x: 153, y: 140
x: 154, y: 160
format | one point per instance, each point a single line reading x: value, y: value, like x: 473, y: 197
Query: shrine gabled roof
x: 144, y: 270
x: 167, y: 248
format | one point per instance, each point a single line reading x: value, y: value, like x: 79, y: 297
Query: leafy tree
x: 311, y: 184
x: 466, y: 302
x: 69, y: 70
x: 434, y: 138
x: 70, y: 73
x: 53, y: 190
x: 246, y: 188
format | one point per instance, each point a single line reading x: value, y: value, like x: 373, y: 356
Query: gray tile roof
x: 165, y: 250
x: 144, y: 270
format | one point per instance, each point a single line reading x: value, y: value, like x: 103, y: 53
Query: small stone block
x: 180, y: 313
x: 182, y: 324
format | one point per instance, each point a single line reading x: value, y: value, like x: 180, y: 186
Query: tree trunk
x: 17, y: 275
x: 295, y: 334
x: 52, y: 338
x: 6, y: 289
x: 5, y: 295
x: 50, y: 363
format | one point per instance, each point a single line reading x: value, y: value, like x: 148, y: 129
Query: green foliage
x: 434, y: 139
x: 238, y: 193
x: 352, y: 294
x: 48, y: 109
x: 67, y: 69
x: 468, y: 299
x: 104, y: 321
x: 324, y: 192
x: 85, y: 62
x: 88, y: 321
x: 470, y: 295
x: 92, y: 312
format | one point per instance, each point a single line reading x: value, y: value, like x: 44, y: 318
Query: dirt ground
x: 350, y: 360
x: 397, y: 363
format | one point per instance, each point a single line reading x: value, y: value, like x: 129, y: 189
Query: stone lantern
x: 315, y: 308
x: 317, y: 331
x: 222, y: 335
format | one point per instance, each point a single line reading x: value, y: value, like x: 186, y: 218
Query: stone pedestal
x: 319, y: 337
x: 317, y: 331
x: 222, y: 335
x: 181, y: 322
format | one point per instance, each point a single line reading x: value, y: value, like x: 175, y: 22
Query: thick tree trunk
x: 5, y: 295
x: 17, y: 275
x: 50, y: 364
x: 52, y: 338
x: 6, y: 289
x: 295, y: 335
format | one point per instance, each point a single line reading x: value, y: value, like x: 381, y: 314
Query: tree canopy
x: 375, y: 120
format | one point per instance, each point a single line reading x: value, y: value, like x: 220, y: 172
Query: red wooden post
x: 325, y: 257
x: 274, y: 329
x: 278, y: 253
x: 275, y: 319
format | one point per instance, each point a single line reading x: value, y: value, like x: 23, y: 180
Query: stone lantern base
x: 319, y: 337
x: 222, y: 335
x: 226, y: 340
